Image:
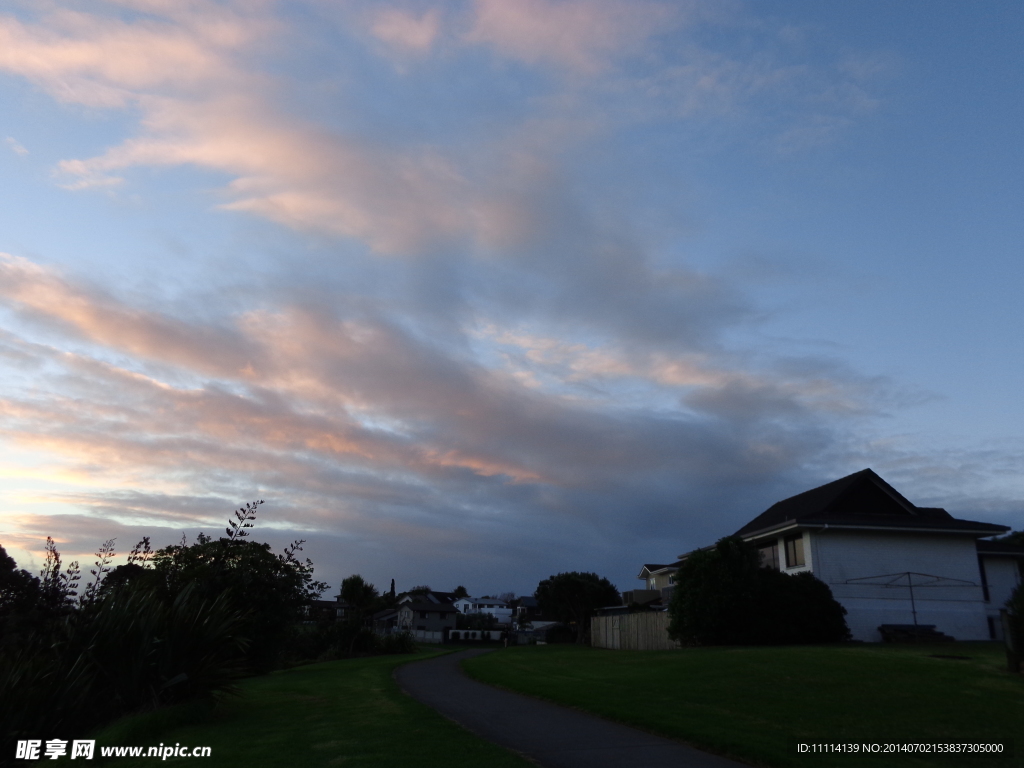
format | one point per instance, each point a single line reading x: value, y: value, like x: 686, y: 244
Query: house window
x: 795, y: 551
x: 769, y: 555
x: 423, y: 614
x: 984, y: 579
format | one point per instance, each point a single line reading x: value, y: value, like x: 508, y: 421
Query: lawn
x: 348, y: 713
x: 756, y: 704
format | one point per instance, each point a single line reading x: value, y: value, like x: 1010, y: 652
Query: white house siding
x: 658, y: 581
x: 960, y: 611
x: 499, y: 610
x: 1003, y: 576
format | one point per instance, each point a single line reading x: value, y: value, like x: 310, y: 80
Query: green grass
x: 343, y: 713
x: 756, y: 704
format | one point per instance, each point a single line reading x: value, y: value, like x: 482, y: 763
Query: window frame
x: 795, y: 544
x: 773, y: 562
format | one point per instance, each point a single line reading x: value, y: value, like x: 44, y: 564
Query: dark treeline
x: 180, y: 623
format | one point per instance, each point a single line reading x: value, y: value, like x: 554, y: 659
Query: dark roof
x: 861, y: 500
x: 654, y: 567
x: 427, y: 605
x: 444, y: 597
x: 1000, y: 548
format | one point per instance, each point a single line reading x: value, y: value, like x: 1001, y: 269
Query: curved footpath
x: 550, y: 735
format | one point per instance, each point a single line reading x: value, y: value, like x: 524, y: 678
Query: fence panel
x: 632, y: 632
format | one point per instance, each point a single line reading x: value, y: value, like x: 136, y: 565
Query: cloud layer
x: 474, y: 361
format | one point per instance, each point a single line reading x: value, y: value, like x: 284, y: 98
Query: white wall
x: 1003, y: 576
x: 959, y: 611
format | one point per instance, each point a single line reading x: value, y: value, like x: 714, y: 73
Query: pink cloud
x: 44, y: 294
x: 581, y: 35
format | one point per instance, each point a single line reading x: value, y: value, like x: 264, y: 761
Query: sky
x: 475, y: 292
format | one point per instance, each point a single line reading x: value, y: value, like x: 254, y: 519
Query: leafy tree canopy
x: 572, y: 597
x: 723, y: 597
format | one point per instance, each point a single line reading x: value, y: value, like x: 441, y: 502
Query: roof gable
x: 863, y: 498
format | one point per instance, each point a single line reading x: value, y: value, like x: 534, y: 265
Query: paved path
x: 553, y: 736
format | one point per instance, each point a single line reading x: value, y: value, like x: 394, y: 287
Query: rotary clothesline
x: 924, y: 580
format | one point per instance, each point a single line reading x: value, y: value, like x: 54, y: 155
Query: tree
x: 714, y: 594
x: 460, y: 591
x: 19, y: 598
x: 723, y: 597
x: 271, y: 589
x: 572, y: 597
x: 1013, y: 537
x: 358, y: 594
x: 361, y: 599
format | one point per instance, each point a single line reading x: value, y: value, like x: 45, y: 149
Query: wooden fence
x: 632, y: 632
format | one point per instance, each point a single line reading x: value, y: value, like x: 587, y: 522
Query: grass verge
x: 756, y: 704
x: 349, y: 713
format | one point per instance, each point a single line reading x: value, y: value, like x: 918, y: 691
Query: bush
x: 723, y: 597
x: 180, y: 625
x: 400, y: 642
x: 131, y: 651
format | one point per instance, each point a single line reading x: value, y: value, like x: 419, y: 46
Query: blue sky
x: 475, y: 292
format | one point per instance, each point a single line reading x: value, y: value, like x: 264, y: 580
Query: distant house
x: 430, y: 595
x: 426, y: 619
x: 326, y: 610
x: 886, y: 560
x: 526, y: 609
x: 386, y: 621
x: 658, y: 577
x: 499, y: 609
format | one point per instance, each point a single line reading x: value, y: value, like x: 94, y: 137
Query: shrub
x: 723, y: 597
x: 400, y: 642
x: 131, y: 651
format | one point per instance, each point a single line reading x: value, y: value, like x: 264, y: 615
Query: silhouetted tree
x: 723, y: 596
x: 1013, y: 537
x: 573, y: 597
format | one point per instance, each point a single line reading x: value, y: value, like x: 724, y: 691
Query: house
x: 499, y: 609
x: 325, y: 610
x: 658, y: 577
x: 526, y: 609
x: 385, y: 622
x: 1001, y: 567
x: 886, y: 560
x: 427, y: 619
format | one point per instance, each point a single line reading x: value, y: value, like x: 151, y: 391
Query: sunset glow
x: 474, y: 292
